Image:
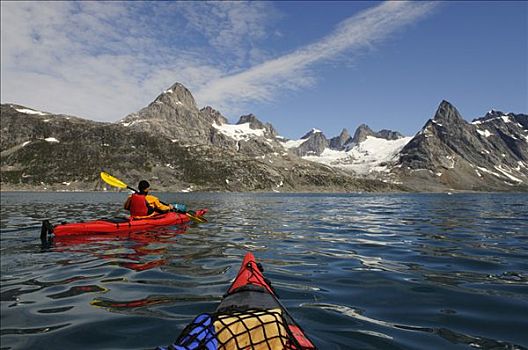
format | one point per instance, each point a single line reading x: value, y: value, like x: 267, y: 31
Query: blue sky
x: 297, y: 65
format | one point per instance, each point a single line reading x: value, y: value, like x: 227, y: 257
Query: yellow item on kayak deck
x: 257, y: 330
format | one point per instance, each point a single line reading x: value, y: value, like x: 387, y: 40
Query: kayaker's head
x: 143, y: 186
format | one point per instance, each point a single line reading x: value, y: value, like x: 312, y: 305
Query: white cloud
x: 100, y: 60
x: 231, y: 27
x: 103, y: 60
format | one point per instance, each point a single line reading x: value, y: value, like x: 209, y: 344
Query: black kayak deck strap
x: 116, y: 220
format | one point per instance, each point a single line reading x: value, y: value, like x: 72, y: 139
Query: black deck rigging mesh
x: 238, y: 330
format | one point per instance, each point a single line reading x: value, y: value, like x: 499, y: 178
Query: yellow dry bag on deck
x: 256, y: 330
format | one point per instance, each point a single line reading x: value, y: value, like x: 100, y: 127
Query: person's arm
x: 127, y: 203
x: 155, y: 202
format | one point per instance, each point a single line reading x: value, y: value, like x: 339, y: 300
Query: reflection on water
x: 399, y: 271
x: 138, y: 251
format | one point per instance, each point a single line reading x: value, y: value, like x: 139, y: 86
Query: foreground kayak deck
x: 117, y: 225
x: 249, y: 316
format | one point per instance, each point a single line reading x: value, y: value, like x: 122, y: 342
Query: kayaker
x: 143, y: 204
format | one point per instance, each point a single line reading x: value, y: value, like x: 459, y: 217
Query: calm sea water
x: 357, y: 271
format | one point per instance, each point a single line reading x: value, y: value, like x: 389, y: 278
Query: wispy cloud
x: 103, y: 60
x: 231, y: 27
x: 295, y: 70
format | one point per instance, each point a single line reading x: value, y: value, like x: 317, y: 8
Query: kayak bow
x: 250, y: 316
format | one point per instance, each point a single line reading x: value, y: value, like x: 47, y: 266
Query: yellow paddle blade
x: 112, y: 181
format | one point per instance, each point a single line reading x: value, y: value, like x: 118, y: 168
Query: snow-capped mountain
x: 489, y: 153
x: 182, y: 147
x: 174, y: 114
x: 363, y: 154
x: 46, y: 151
x: 363, y: 131
x: 369, y: 156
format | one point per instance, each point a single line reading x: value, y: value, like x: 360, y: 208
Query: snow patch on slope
x: 293, y: 143
x: 507, y: 174
x: 485, y: 133
x: 238, y: 131
x: 30, y: 111
x: 137, y: 121
x: 314, y: 131
x: 505, y: 118
x: 365, y: 157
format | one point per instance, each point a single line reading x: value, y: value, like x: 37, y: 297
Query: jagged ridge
x: 448, y: 153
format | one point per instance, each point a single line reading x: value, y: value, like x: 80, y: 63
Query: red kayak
x: 116, y: 225
x: 250, y: 316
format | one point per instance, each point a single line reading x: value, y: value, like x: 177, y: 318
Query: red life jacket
x: 139, y: 205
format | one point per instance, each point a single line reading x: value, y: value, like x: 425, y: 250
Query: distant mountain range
x: 179, y: 147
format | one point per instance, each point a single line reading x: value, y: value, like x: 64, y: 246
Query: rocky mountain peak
x: 313, y: 131
x: 255, y: 123
x: 447, y: 114
x: 495, y: 115
x: 314, y: 145
x: 389, y: 134
x: 344, y: 135
x: 492, y: 114
x: 338, y: 142
x: 176, y: 95
x: 172, y: 114
x: 212, y: 113
x: 490, y: 152
x: 361, y: 133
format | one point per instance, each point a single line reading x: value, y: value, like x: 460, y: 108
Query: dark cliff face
x: 314, y: 145
x: 488, y: 154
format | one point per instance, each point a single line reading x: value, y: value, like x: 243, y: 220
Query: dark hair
x: 143, y: 185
